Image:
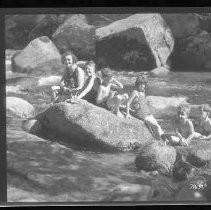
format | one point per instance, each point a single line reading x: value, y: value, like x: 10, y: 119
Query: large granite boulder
x: 193, y: 52
x: 156, y: 156
x: 77, y: 35
x: 90, y: 126
x: 182, y: 170
x: 182, y: 24
x: 200, y: 153
x: 40, y: 56
x: 19, y: 108
x: 192, y: 35
x: 197, y: 153
x: 164, y: 107
x: 150, y: 30
x: 45, y: 27
x: 17, y: 29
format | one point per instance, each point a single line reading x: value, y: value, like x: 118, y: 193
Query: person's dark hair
x: 91, y: 62
x: 106, y: 72
x: 205, y: 108
x: 75, y: 59
x: 141, y: 79
x: 183, y: 108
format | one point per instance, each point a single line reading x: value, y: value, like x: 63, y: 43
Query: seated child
x: 184, y: 129
x: 141, y: 110
x: 106, y: 97
x: 205, y: 122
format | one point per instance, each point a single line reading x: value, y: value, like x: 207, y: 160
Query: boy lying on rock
x: 184, y: 129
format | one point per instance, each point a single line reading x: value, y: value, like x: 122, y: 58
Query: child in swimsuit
x: 141, y: 110
x: 184, y: 129
x: 205, y: 122
x: 108, y: 98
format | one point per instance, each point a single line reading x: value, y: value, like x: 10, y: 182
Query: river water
x: 43, y: 171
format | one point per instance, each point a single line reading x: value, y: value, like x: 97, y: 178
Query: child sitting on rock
x: 205, y: 122
x: 108, y: 98
x: 184, y: 128
x: 141, y: 109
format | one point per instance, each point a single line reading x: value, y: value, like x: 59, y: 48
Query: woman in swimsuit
x: 89, y: 92
x: 72, y: 80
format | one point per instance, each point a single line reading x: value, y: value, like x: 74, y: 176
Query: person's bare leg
x: 153, y: 124
x: 54, y: 96
x: 117, y: 104
x: 150, y: 128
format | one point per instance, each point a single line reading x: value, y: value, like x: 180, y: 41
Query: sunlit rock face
x: 19, y: 107
x: 77, y: 35
x: 39, y: 55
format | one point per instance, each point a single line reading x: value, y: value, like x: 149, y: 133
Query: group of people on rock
x: 83, y: 83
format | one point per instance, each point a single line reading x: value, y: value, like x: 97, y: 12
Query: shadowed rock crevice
x: 121, y: 52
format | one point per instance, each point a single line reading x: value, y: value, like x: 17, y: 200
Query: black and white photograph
x: 108, y: 108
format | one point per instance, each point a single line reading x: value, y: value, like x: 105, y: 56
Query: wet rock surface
x: 156, y: 156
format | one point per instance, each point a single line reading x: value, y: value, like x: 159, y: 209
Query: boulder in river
x: 159, y: 72
x: 19, y: 107
x: 90, y: 126
x: 17, y: 29
x: 200, y: 154
x: 38, y: 57
x: 156, y: 156
x: 150, y: 30
x: 182, y: 170
x: 49, y: 81
x: 77, y: 35
x: 165, y: 107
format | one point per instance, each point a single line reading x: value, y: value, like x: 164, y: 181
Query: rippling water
x: 44, y: 171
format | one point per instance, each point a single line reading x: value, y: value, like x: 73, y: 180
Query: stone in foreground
x: 19, y: 108
x: 156, y: 156
x: 90, y: 126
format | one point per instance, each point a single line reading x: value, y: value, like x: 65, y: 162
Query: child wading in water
x: 108, y: 98
x: 184, y: 129
x: 142, y: 112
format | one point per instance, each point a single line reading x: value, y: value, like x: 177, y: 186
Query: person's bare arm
x: 87, y: 89
x: 80, y: 78
x: 178, y: 134
x: 130, y: 100
x: 191, y: 130
x: 62, y: 84
x: 99, y: 99
x: 116, y: 84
